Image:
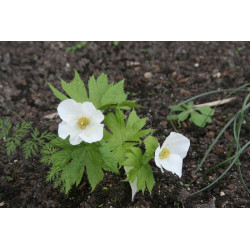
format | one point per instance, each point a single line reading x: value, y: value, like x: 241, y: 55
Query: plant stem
x: 12, y: 112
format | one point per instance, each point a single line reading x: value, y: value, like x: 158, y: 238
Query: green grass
x: 234, y: 126
x: 235, y: 148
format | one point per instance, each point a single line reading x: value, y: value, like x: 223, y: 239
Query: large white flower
x: 133, y: 184
x: 172, y: 152
x: 81, y: 121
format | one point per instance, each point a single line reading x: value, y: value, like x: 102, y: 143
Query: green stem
x: 12, y: 112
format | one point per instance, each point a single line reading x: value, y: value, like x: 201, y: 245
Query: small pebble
x: 196, y: 65
x: 222, y: 193
x: 210, y: 178
x: 217, y: 75
x: 148, y: 75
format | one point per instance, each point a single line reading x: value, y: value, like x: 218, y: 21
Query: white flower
x: 133, y: 184
x: 172, y: 152
x: 81, y: 121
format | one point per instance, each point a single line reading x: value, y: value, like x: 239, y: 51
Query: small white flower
x: 133, y: 184
x: 172, y: 152
x: 80, y: 121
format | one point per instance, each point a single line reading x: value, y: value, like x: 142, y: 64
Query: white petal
x: 172, y: 163
x: 92, y: 133
x: 65, y: 129
x: 75, y: 139
x: 88, y: 108
x: 69, y: 110
x: 177, y: 144
x: 133, y: 184
x: 98, y: 116
x: 157, y: 158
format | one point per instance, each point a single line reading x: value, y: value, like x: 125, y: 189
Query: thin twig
x: 51, y: 116
x: 215, y: 103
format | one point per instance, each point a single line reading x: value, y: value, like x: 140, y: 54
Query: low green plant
x: 199, y: 116
x: 80, y: 45
x: 236, y: 147
x: 76, y: 47
x: 142, y: 171
x: 21, y: 135
x: 122, y: 137
x: 230, y: 92
x: 236, y: 121
x: 85, y: 145
x: 116, y: 43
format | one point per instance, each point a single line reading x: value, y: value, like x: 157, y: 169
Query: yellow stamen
x: 164, y: 153
x: 83, y: 122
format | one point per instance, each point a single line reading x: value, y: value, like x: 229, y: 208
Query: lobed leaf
x: 57, y: 93
x: 75, y: 89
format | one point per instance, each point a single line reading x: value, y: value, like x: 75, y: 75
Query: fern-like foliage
x: 5, y: 126
x: 17, y: 136
x: 47, y: 152
x: 30, y: 147
x: 13, y: 134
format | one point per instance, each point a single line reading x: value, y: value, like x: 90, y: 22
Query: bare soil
x: 179, y: 70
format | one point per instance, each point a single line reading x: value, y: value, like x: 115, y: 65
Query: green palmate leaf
x: 60, y: 159
x: 177, y: 108
x: 199, y: 116
x: 129, y: 104
x: 60, y: 143
x: 97, y: 88
x: 109, y: 158
x: 103, y: 95
x: 68, y: 164
x: 183, y: 115
x: 206, y: 110
x: 124, y: 137
x: 200, y: 119
x: 115, y: 94
x: 133, y: 128
x: 122, y: 105
x: 133, y: 159
x: 141, y: 170
x: 57, y: 93
x: 172, y: 117
x: 75, y: 89
x: 151, y: 144
x: 93, y: 163
x: 145, y: 177
x: 72, y: 173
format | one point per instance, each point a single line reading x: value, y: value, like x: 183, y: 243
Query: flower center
x: 164, y: 153
x: 83, y: 122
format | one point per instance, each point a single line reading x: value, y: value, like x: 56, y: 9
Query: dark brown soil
x: 179, y: 70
